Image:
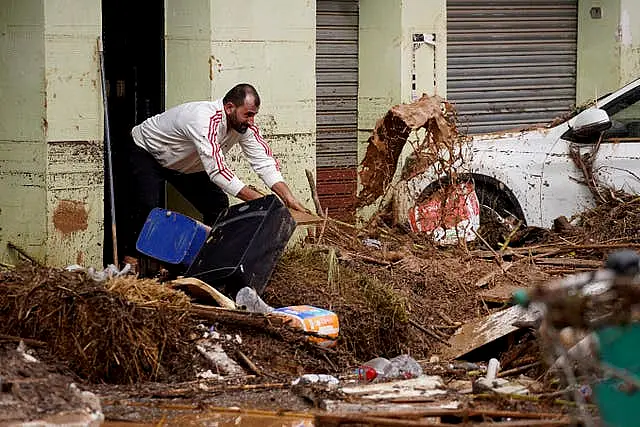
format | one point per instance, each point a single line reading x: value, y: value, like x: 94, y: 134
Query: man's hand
x: 247, y: 193
x: 282, y: 190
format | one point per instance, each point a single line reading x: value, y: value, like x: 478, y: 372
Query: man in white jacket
x: 186, y: 145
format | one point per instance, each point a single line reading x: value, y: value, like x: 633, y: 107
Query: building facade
x: 326, y: 71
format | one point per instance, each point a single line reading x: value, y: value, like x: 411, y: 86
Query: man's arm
x: 247, y: 193
x: 282, y: 190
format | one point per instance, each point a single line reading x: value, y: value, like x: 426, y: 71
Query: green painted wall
x: 598, y: 54
x: 608, y: 47
x: 386, y: 57
x: 22, y: 128
x: 75, y: 168
x: 629, y: 40
x: 213, y: 45
x: 51, y: 131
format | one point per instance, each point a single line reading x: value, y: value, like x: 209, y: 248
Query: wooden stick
x: 484, y: 280
x: 569, y: 262
x: 248, y: 363
x: 324, y: 226
x: 428, y: 332
x: 314, y: 192
x: 518, y: 370
x: 27, y: 341
x: 496, y: 256
x: 22, y: 252
x: 446, y: 318
x: 369, y: 259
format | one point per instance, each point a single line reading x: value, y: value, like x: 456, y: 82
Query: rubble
x: 138, y: 344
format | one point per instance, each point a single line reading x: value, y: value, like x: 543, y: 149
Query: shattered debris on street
x: 425, y: 332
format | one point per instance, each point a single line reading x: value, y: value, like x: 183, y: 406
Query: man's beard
x: 236, y: 125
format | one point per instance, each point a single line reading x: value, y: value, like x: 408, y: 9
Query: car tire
x: 496, y: 204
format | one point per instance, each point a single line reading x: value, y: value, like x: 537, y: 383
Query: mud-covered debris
x: 390, y: 135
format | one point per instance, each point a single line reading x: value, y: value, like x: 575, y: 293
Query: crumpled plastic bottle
x: 249, y: 299
x: 373, y: 369
x: 403, y: 367
x: 381, y: 369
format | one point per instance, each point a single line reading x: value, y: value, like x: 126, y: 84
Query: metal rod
x: 107, y: 145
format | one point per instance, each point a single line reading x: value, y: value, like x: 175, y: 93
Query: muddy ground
x: 380, y: 295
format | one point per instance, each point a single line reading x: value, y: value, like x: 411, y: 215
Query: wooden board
x: 201, y: 292
x: 485, y: 330
x: 303, y: 218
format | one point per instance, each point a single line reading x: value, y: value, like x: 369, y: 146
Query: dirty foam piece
x: 214, y: 353
x: 424, y: 386
x: 384, y: 408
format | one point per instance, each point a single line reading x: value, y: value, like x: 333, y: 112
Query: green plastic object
x: 521, y: 297
x: 619, y: 348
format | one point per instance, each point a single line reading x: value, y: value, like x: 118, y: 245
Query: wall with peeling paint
x: 608, y: 46
x: 629, y: 40
x: 51, y: 173
x: 598, y: 54
x: 213, y: 45
x: 386, y: 56
x: 22, y: 129
x: 75, y: 169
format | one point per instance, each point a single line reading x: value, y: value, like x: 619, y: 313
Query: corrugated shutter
x: 337, y: 103
x: 511, y: 63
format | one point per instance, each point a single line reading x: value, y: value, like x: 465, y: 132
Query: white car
x: 530, y: 174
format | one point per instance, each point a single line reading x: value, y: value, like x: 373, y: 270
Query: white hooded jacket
x: 193, y: 137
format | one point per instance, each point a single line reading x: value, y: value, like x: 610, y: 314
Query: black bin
x: 244, y: 246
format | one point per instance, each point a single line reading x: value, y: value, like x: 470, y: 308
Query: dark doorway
x: 133, y: 38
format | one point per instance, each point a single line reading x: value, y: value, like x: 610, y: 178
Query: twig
x: 333, y: 366
x: 369, y: 259
x: 484, y: 280
x: 314, y: 192
x: 324, y: 226
x: 21, y: 251
x: 248, y: 363
x: 518, y: 370
x: 497, y: 256
x: 447, y: 318
x: 428, y: 332
x: 27, y: 341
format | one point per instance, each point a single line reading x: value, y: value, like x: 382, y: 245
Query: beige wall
x: 51, y: 132
x: 385, y: 58
x: 75, y: 171
x: 629, y: 40
x: 268, y: 44
x: 608, y: 48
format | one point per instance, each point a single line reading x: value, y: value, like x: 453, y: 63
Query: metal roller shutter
x: 337, y: 104
x: 511, y: 63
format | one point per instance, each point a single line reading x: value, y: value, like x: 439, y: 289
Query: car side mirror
x: 590, y: 122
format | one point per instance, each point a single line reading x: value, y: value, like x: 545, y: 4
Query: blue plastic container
x: 172, y: 237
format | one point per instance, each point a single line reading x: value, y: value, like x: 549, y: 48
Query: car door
x: 617, y: 163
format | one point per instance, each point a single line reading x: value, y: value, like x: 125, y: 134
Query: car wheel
x: 498, y: 215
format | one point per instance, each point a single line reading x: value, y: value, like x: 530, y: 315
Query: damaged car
x: 538, y: 174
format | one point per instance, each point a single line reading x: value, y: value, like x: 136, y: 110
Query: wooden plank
x: 201, y: 291
x: 303, y: 218
x: 477, y: 333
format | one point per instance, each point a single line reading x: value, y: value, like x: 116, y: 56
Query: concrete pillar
x: 608, y: 46
x: 23, y: 151
x: 51, y: 178
x: 74, y: 133
x: 387, y: 55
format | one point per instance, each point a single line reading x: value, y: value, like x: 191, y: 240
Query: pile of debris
x: 139, y: 342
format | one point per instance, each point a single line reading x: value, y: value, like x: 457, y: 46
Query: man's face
x: 240, y: 118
